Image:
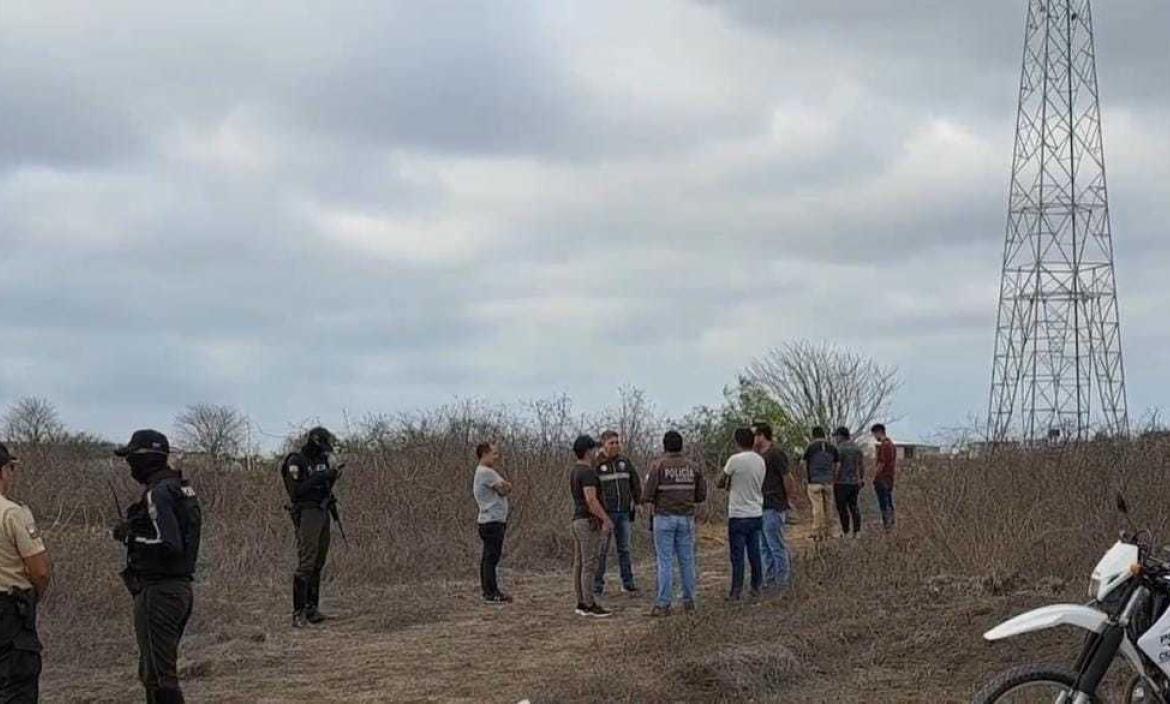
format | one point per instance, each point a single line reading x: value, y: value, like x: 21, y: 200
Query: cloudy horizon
x: 357, y: 207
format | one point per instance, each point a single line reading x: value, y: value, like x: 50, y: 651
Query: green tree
x: 709, y: 430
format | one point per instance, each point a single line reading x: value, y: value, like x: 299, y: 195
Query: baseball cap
x: 5, y: 456
x: 143, y: 441
x: 584, y: 443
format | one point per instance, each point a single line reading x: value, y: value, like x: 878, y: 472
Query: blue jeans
x: 777, y: 563
x: 621, y: 531
x: 743, y: 535
x: 885, y: 498
x: 674, y: 536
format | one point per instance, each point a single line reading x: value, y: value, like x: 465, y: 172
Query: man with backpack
x: 309, y: 478
x: 820, y: 463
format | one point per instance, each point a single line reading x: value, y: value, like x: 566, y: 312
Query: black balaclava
x: 319, y: 445
x: 144, y: 464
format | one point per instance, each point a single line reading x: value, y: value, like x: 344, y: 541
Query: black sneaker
x: 582, y: 610
x: 598, y: 611
x: 631, y: 590
x: 314, y: 616
x: 299, y: 620
x: 497, y: 599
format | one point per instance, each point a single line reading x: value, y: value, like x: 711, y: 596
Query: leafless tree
x: 634, y: 419
x: 821, y: 384
x: 219, y: 431
x: 33, y: 421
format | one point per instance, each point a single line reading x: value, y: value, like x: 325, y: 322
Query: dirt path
x: 434, y: 642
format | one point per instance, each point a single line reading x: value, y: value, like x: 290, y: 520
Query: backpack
x: 820, y: 463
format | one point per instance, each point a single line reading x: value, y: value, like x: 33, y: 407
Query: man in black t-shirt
x: 778, y: 487
x: 590, y: 524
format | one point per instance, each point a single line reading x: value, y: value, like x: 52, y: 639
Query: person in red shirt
x: 883, y: 478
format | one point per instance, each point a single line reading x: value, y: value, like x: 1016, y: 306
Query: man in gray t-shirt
x: 491, y: 495
x: 847, y: 483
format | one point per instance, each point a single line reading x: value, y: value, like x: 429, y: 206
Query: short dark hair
x: 609, y: 434
x: 764, y: 429
x: 672, y: 441
x: 745, y: 438
x: 841, y: 432
x: 877, y: 428
x: 818, y: 433
x: 582, y: 445
x: 483, y: 448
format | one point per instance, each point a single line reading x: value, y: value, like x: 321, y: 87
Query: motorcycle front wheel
x: 1029, y: 684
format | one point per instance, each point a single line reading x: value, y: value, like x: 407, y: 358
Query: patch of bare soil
x: 436, y: 642
x: 431, y: 642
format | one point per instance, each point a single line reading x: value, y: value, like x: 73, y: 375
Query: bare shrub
x: 898, y: 614
x: 33, y: 421
x: 220, y: 432
x: 819, y: 384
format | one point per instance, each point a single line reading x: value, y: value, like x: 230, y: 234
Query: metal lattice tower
x: 1058, y: 336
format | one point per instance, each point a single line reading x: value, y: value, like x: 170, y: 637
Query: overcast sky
x: 311, y: 209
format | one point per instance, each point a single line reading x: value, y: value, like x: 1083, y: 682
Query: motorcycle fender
x: 1050, y: 617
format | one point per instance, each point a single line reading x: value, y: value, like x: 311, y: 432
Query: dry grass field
x: 892, y: 617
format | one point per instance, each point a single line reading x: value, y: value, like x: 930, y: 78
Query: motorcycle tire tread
x: 1005, y: 681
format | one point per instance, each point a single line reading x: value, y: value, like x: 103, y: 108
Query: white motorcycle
x: 1128, y: 616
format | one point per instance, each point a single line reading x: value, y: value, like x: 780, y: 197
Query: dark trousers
x: 20, y: 653
x: 492, y: 535
x: 312, y: 549
x: 885, y: 498
x: 845, y: 496
x: 161, y: 610
x: 743, y: 535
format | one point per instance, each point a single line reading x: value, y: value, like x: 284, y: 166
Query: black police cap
x: 145, y: 441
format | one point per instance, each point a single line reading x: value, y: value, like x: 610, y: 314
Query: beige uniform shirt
x: 18, y: 539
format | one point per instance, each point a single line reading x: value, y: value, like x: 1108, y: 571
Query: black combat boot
x: 300, y: 600
x: 168, y: 696
x: 313, y: 600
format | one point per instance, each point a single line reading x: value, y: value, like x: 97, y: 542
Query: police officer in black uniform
x: 309, y: 478
x: 161, y: 533
x: 24, y: 577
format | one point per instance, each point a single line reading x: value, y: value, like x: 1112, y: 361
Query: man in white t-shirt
x: 491, y: 495
x: 743, y: 477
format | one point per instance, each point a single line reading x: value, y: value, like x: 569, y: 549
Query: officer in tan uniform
x: 24, y: 576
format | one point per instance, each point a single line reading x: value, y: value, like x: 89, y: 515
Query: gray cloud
x: 363, y: 206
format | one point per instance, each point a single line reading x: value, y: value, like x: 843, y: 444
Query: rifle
x: 337, y: 519
x: 114, y: 493
x: 331, y: 504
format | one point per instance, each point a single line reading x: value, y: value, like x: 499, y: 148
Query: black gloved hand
x: 120, y: 531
